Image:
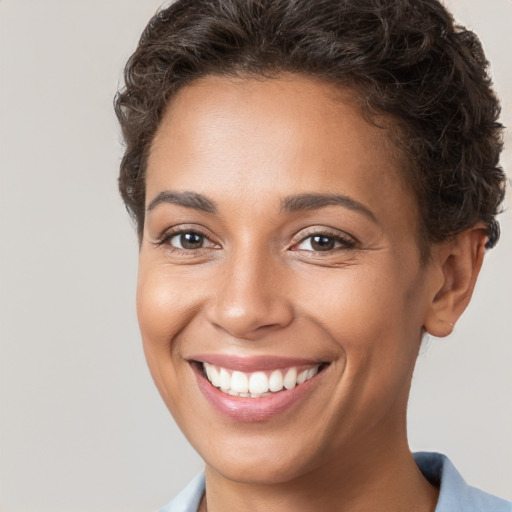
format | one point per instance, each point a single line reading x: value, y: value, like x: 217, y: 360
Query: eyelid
x: 175, y: 237
x: 165, y: 237
x: 347, y: 241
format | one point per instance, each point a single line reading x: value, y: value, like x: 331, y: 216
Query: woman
x: 314, y: 186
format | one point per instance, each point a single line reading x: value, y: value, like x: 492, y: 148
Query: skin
x: 255, y: 285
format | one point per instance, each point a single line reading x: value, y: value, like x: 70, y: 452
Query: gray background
x: 81, y: 427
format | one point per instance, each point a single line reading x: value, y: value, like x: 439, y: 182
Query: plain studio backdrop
x: 82, y: 428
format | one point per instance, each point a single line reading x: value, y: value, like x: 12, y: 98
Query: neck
x: 367, y: 480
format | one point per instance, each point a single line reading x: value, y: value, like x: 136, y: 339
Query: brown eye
x: 322, y: 243
x: 189, y: 241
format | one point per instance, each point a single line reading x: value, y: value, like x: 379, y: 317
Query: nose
x: 250, y: 298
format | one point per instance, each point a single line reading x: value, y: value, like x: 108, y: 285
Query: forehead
x: 271, y: 137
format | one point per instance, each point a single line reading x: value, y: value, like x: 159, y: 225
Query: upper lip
x: 253, y: 363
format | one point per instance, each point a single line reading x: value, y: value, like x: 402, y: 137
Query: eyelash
x: 345, y: 242
x: 166, y: 238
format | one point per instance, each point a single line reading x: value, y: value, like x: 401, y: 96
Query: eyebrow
x: 302, y: 202
x: 294, y: 203
x: 186, y: 199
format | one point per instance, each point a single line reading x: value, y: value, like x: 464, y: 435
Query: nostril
x: 250, y: 318
x: 247, y: 303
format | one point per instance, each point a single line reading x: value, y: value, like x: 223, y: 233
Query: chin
x: 257, y: 461
x: 267, y: 470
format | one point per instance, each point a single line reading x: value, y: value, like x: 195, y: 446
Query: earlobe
x: 458, y: 262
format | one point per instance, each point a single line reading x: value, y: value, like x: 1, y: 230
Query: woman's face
x: 280, y: 244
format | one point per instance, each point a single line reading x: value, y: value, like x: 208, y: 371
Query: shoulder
x: 188, y: 499
x: 455, y: 494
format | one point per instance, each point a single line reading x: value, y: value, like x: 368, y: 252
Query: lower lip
x: 254, y: 409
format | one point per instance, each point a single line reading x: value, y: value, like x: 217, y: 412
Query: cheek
x: 375, y: 322
x: 163, y: 309
x: 155, y: 306
x: 374, y: 314
x: 165, y: 304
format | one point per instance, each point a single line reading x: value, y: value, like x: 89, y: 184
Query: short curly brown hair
x: 405, y: 59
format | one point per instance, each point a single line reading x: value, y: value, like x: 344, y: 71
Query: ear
x: 459, y: 261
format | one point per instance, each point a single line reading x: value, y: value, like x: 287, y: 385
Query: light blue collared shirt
x: 455, y: 495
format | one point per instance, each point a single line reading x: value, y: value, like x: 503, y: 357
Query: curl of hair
x: 405, y: 59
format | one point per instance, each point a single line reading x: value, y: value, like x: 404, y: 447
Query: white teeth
x: 275, y: 382
x: 239, y: 382
x: 312, y: 372
x: 300, y: 378
x: 213, y: 375
x: 224, y: 379
x: 290, y: 379
x: 257, y: 384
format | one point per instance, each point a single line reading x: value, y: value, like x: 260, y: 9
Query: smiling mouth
x: 258, y: 384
